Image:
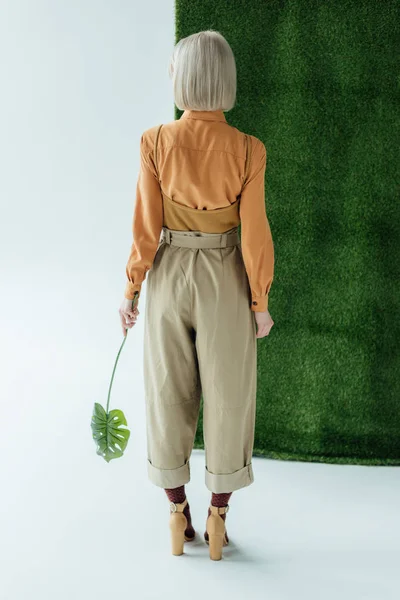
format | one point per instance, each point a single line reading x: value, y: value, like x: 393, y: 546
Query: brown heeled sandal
x: 178, y: 524
x: 216, y: 531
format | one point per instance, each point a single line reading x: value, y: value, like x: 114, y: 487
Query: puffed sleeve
x: 147, y: 221
x: 256, y: 239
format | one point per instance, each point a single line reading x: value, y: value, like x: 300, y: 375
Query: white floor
x: 88, y: 530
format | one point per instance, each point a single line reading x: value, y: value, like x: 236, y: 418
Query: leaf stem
x: 119, y: 352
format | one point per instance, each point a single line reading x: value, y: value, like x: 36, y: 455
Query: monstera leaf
x: 107, y: 431
x: 111, y: 438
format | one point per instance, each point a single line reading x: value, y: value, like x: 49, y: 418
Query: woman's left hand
x: 128, y: 315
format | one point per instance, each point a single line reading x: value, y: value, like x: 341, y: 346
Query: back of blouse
x: 199, y: 179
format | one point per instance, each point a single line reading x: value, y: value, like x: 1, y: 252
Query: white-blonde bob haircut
x: 203, y: 71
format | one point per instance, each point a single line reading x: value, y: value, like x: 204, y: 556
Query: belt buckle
x: 167, y: 235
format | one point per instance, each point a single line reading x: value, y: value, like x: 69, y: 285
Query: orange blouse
x: 201, y: 164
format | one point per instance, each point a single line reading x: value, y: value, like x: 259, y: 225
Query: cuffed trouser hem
x: 169, y: 478
x: 229, y: 482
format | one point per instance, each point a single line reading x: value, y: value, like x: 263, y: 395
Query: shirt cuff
x: 130, y: 290
x: 259, y: 303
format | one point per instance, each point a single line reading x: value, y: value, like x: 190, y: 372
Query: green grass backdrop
x: 318, y: 83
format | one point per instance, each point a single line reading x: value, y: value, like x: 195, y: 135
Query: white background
x: 80, y: 82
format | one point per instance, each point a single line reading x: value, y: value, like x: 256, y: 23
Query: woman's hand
x: 264, y: 323
x: 128, y: 315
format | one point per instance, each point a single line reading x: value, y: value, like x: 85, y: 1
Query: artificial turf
x: 319, y: 84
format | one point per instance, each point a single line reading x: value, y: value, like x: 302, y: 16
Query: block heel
x: 178, y: 524
x: 215, y: 528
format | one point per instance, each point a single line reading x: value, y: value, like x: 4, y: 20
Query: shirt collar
x: 205, y: 115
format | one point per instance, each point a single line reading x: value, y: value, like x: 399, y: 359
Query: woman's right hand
x: 128, y: 315
x: 264, y: 323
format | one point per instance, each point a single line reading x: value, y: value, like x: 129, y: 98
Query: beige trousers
x: 200, y: 338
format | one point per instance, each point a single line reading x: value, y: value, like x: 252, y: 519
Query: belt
x: 194, y: 239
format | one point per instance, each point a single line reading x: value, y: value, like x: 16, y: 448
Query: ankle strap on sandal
x: 177, y: 507
x: 219, y: 510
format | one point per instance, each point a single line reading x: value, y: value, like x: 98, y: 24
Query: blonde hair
x: 203, y: 71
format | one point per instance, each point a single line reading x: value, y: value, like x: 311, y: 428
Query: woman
x: 206, y: 289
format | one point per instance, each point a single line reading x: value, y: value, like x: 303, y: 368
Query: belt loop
x: 167, y: 236
x: 224, y: 237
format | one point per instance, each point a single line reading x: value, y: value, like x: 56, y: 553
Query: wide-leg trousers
x: 199, y: 339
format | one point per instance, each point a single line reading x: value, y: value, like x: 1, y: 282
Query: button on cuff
x: 259, y: 303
